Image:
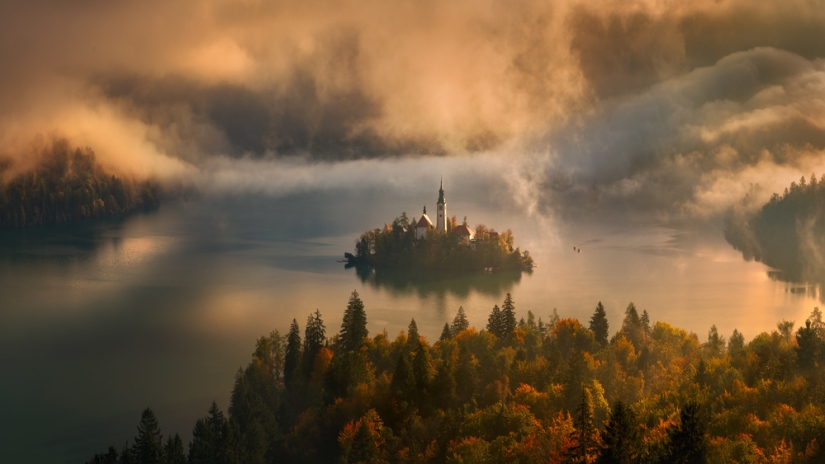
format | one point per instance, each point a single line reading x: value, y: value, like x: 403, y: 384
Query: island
x: 445, y: 245
x: 64, y: 185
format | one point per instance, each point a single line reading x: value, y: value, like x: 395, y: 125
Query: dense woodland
x: 68, y: 185
x: 787, y: 233
x: 396, y: 246
x: 520, y: 390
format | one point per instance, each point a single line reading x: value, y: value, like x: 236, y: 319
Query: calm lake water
x: 101, y: 319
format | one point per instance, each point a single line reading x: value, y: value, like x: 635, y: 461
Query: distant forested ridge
x: 396, y: 246
x: 519, y: 391
x: 68, y: 185
x: 787, y: 233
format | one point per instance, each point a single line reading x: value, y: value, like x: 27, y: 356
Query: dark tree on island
x: 404, y: 246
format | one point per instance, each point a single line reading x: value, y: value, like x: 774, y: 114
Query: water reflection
x: 401, y: 282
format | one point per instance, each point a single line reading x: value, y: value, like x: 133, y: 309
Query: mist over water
x: 100, y: 319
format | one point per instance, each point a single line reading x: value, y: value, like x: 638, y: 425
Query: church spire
x: 441, y: 220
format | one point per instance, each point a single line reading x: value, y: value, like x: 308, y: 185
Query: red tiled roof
x: 463, y: 230
x: 424, y: 222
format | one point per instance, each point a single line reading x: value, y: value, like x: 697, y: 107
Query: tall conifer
x: 508, y: 316
x: 599, y: 325
x: 354, y: 326
x: 292, y: 356
x: 148, y: 446
x: 460, y: 322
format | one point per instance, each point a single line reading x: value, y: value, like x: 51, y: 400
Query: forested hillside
x: 787, y: 233
x: 520, y: 390
x: 67, y: 185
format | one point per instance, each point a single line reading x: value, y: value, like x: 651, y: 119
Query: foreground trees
x: 519, y: 392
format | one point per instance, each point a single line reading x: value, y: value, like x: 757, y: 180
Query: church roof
x: 424, y: 222
x: 463, y: 230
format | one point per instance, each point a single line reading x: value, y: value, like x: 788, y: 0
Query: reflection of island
x: 787, y: 233
x: 418, y: 245
x: 405, y: 282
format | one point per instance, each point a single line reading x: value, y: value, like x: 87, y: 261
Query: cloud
x: 640, y: 105
x: 694, y: 143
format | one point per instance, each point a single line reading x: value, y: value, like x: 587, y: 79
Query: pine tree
x: 413, y: 339
x: 584, y: 433
x: 599, y: 325
x: 354, y: 326
x: 363, y: 449
x: 645, y: 320
x: 736, y: 343
x: 209, y: 438
x: 460, y: 322
x: 508, y: 316
x: 315, y: 336
x: 632, y: 326
x: 403, y: 379
x: 422, y: 370
x: 809, y: 346
x: 127, y: 455
x: 173, y: 451
x: 494, y: 322
x: 620, y: 438
x: 148, y: 446
x: 276, y: 342
x: 292, y: 356
x: 687, y: 441
x: 446, y: 334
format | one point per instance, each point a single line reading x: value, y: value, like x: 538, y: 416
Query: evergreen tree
x: 209, y: 438
x: 494, y: 322
x: 599, y: 325
x: 173, y: 451
x: 363, y: 448
x: 292, y: 355
x: 584, y: 435
x: 809, y: 346
x: 276, y: 343
x: 632, y: 326
x: 460, y: 322
x: 531, y: 320
x: 148, y: 448
x: 446, y: 334
x: 354, y: 327
x: 423, y: 371
x: 127, y: 455
x: 403, y: 379
x: 687, y: 441
x: 620, y: 438
x: 467, y: 371
x: 413, y: 339
x: 645, y: 320
x: 736, y: 343
x: 315, y: 336
x: 508, y: 316
x: 716, y: 342
x: 444, y: 387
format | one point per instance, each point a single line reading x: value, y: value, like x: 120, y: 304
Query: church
x: 425, y: 225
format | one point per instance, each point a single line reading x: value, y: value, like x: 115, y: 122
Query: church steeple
x: 441, y: 220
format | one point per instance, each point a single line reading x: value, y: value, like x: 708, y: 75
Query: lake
x: 101, y: 319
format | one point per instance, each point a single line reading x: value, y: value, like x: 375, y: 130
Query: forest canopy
x: 787, y: 233
x: 519, y: 390
x: 396, y: 246
x: 67, y: 185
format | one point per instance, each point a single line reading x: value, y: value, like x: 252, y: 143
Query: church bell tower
x: 441, y: 220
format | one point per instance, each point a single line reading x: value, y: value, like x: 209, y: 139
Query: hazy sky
x: 666, y: 106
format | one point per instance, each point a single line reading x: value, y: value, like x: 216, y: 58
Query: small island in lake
x: 447, y: 245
